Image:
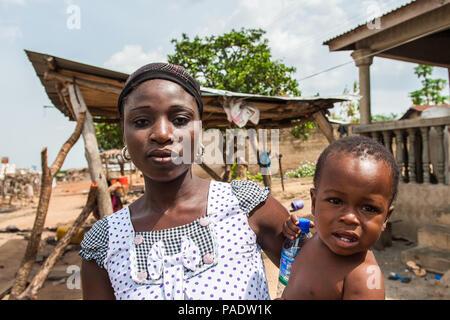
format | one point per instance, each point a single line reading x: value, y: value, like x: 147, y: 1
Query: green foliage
x: 257, y: 177
x: 302, y: 130
x: 432, y: 88
x: 109, y: 136
x: 233, y: 171
x: 305, y: 170
x: 238, y: 61
x: 384, y: 117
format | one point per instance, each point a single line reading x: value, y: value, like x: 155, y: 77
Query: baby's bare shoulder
x: 365, y: 281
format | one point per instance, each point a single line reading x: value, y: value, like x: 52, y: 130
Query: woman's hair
x: 166, y: 71
x: 361, y: 147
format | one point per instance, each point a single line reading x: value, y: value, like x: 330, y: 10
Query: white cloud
x: 131, y: 57
x: 10, y: 32
x: 296, y: 30
x: 13, y: 2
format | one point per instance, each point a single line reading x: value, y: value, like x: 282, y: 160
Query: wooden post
x: 48, y: 173
x: 281, y: 171
x: 229, y: 148
x: 263, y: 146
x: 324, y: 125
x: 91, y: 151
x: 106, y: 167
x: 39, y: 279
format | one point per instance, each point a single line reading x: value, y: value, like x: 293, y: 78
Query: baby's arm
x: 364, y: 283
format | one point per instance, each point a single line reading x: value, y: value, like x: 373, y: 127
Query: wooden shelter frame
x: 73, y: 87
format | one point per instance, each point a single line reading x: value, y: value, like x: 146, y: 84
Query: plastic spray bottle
x: 291, y: 248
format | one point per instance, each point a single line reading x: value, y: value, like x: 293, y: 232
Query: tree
x: 109, y: 136
x: 238, y: 61
x: 384, y: 117
x: 432, y: 88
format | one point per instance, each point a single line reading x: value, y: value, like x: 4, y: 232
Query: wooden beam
x: 91, y: 151
x: 91, y: 77
x: 50, y: 75
x: 59, y: 87
x: 397, y: 18
x: 324, y: 125
x: 389, y: 55
x: 51, y: 63
x: 103, y: 120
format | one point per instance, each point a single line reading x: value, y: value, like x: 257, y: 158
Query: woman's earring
x: 126, y: 154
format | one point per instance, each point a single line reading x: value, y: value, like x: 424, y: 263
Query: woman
x: 186, y: 237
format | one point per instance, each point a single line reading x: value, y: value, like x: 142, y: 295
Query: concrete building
x: 417, y: 32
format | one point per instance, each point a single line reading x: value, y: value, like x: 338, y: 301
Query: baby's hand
x: 290, y: 228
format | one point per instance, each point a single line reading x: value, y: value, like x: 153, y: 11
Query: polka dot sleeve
x: 249, y: 194
x: 95, y: 243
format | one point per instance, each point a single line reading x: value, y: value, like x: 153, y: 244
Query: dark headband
x: 166, y: 71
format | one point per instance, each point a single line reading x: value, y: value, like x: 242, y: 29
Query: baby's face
x: 351, y: 202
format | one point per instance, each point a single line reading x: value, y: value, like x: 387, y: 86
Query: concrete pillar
x: 363, y: 62
x: 440, y: 155
x: 399, y: 150
x: 425, y: 154
x: 411, y: 155
x: 387, y: 137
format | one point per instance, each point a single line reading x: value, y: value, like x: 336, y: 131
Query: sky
x: 124, y: 35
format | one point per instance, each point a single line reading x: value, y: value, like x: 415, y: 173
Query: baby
x: 355, y: 184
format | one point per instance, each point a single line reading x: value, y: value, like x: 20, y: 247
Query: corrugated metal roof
x: 207, y: 92
x: 365, y: 23
x: 274, y: 110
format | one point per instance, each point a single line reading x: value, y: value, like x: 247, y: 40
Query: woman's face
x: 159, y: 118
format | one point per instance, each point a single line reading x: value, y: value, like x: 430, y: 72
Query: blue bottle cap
x: 304, y: 225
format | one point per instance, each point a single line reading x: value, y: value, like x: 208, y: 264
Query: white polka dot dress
x: 215, y: 257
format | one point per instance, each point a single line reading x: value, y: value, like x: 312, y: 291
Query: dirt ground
x: 64, y: 283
